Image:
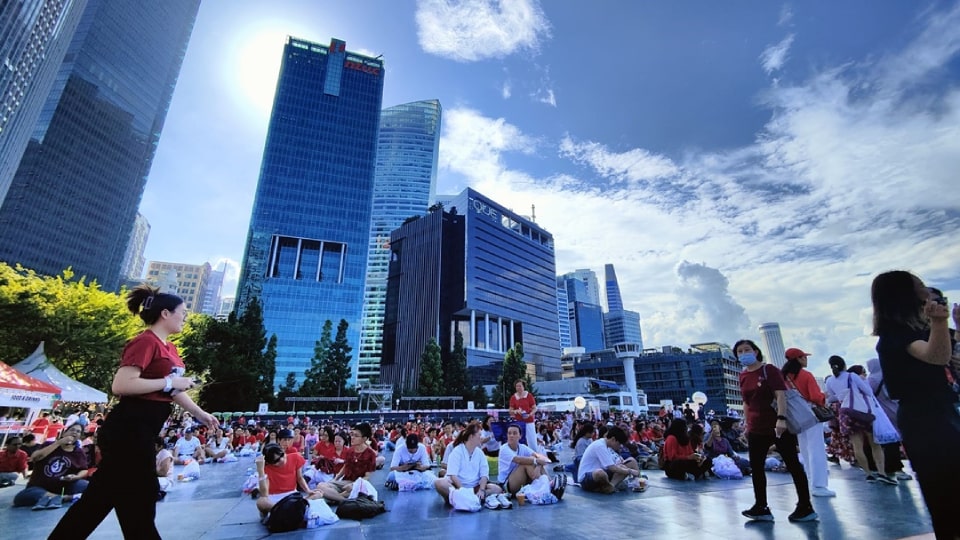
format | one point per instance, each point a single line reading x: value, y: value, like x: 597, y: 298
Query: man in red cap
x: 812, y: 447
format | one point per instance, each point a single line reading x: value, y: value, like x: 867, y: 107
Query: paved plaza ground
x: 213, y: 508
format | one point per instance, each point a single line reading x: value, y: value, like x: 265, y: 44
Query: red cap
x: 794, y: 353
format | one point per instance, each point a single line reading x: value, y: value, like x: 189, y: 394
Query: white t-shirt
x: 446, y: 454
x: 186, y: 447
x: 402, y: 456
x: 224, y: 444
x: 469, y: 468
x: 505, y: 460
x: 492, y: 445
x: 596, y: 456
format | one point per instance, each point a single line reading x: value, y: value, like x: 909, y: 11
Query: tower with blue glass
x: 619, y: 325
x: 74, y: 197
x: 306, y: 251
x: 404, y: 184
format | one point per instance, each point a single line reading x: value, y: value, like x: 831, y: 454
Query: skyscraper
x: 404, y: 184
x: 74, y: 197
x: 133, y: 260
x: 612, y: 288
x: 306, y: 252
x: 34, y: 36
x: 563, y: 316
x: 773, y: 349
x: 619, y: 325
x: 478, y: 269
x: 210, y: 296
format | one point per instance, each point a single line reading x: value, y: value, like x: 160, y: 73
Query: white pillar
x: 486, y: 331
x: 473, y: 329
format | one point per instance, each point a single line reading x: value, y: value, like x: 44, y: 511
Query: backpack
x: 361, y: 508
x: 288, y: 514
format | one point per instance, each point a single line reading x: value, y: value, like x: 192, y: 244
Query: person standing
x: 760, y: 385
x: 149, y: 378
x: 914, y: 347
x: 523, y: 407
x: 812, y: 446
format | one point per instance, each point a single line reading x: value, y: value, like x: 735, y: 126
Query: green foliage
x: 478, y: 394
x: 456, y: 378
x: 338, y: 362
x: 287, y: 389
x: 431, y: 381
x: 313, y: 384
x: 84, y: 328
x: 329, y: 369
x: 513, y: 368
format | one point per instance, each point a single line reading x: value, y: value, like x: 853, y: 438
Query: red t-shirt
x: 13, y: 461
x: 283, y: 478
x: 758, y: 395
x: 526, y: 404
x: 358, y: 464
x: 155, y: 359
x: 672, y: 449
x: 250, y: 439
x: 325, y: 449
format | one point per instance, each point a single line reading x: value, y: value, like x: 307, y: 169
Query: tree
x: 514, y: 368
x: 197, y: 351
x: 478, y: 394
x: 456, y: 378
x: 337, y: 372
x: 431, y: 381
x: 313, y: 381
x: 82, y: 327
x: 268, y: 371
x: 287, y: 389
x: 239, y: 371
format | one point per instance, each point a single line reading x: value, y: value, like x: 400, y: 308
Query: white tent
x: 38, y: 366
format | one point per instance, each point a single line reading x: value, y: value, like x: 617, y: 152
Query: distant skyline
x: 738, y: 164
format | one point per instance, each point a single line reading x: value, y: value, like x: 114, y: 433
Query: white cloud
x: 786, y: 15
x: 546, y: 96
x: 774, y: 56
x: 505, y: 90
x: 471, y: 30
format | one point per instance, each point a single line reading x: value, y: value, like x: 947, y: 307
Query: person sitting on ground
x: 468, y: 467
x: 188, y: 448
x: 217, y: 447
x: 286, y: 438
x: 164, y: 468
x: 679, y: 457
x: 171, y: 439
x: 518, y: 464
x: 30, y: 445
x: 488, y: 443
x: 359, y: 462
x: 599, y: 471
x: 324, y: 451
x: 582, y: 439
x: 718, y: 445
x: 13, y: 462
x: 60, y: 467
x: 411, y: 456
x: 279, y: 474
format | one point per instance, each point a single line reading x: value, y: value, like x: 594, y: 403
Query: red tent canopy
x: 14, y: 380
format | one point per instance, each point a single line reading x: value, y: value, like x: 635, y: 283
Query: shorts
x: 275, y: 497
x: 589, y: 484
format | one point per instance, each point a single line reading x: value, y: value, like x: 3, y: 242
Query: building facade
x: 619, y: 325
x: 306, y: 251
x: 210, y: 301
x: 563, y: 317
x: 772, y: 343
x: 133, y: 260
x: 404, y: 184
x: 74, y: 197
x: 34, y: 36
x: 191, y: 280
x: 478, y: 269
x: 674, y: 374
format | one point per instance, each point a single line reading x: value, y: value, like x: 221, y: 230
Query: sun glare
x: 254, y: 68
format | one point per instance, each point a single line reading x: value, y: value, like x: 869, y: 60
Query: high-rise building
x: 619, y: 325
x: 587, y: 326
x: 563, y: 316
x: 34, y: 36
x: 612, y: 288
x: 133, y: 259
x: 591, y: 287
x: 74, y: 197
x: 306, y: 252
x: 404, y: 184
x: 210, y: 296
x: 226, y: 306
x: 478, y: 269
x: 773, y: 349
x: 191, y: 280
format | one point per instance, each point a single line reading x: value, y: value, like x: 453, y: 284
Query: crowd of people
x: 902, y: 404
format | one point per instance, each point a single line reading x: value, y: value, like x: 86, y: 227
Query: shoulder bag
x: 859, y: 419
x: 799, y: 415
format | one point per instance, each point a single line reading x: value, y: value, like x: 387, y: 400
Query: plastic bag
x: 319, y: 513
x: 365, y: 487
x: 190, y: 470
x: 414, y: 480
x: 538, y: 492
x: 464, y: 499
x: 726, y: 468
x: 883, y: 430
x: 249, y: 484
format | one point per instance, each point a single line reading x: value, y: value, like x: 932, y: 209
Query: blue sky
x: 738, y: 162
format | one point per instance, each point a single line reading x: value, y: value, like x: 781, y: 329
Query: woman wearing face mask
x: 760, y: 385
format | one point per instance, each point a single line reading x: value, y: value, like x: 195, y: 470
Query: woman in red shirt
x: 813, y: 449
x: 359, y: 461
x: 679, y: 456
x: 149, y: 378
x: 324, y: 451
x: 760, y: 384
x: 523, y: 407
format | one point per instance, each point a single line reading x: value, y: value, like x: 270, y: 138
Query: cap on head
x: 284, y: 434
x: 794, y: 353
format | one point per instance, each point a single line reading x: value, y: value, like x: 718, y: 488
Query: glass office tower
x: 74, y: 198
x: 34, y: 36
x: 404, y: 184
x: 306, y: 252
x: 480, y: 269
x: 619, y: 325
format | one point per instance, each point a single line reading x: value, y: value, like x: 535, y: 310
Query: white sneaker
x: 492, y: 503
x: 823, y: 492
x: 504, y: 501
x: 903, y: 476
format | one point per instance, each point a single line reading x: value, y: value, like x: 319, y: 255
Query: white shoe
x: 903, y: 476
x: 823, y: 492
x: 491, y: 502
x: 504, y: 501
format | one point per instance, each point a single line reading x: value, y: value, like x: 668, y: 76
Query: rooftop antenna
x: 533, y: 213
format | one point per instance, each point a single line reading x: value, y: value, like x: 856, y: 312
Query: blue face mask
x: 747, y: 359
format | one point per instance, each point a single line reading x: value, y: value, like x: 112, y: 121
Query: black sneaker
x: 805, y: 513
x: 758, y: 513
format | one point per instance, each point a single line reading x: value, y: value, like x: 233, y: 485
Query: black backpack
x: 361, y: 508
x: 288, y: 514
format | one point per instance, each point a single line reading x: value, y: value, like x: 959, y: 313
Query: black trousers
x: 787, y: 447
x: 126, y: 479
x: 678, y: 468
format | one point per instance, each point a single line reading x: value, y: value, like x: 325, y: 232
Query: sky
x: 738, y: 163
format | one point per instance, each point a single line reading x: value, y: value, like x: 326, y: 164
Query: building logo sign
x: 485, y: 209
x: 349, y: 64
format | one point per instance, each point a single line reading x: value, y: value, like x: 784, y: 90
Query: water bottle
x: 249, y: 471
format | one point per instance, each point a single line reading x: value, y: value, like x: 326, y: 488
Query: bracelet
x: 169, y: 383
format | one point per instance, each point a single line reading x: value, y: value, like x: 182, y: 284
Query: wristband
x: 169, y: 383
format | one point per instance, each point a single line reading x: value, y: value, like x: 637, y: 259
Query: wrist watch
x: 169, y: 383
